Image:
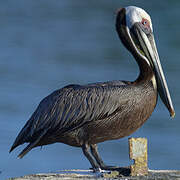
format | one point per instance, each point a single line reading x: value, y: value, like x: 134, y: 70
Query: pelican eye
x: 144, y: 23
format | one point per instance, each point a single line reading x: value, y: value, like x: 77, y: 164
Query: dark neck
x: 146, y: 72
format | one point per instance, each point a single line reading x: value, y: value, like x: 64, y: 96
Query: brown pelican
x: 84, y: 115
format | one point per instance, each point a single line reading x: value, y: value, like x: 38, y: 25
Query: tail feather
x: 21, y: 138
x: 13, y: 147
x: 29, y: 147
x: 26, y: 150
x: 18, y: 141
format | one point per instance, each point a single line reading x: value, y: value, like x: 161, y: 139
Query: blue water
x: 45, y: 45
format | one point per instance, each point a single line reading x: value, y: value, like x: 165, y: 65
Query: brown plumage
x: 84, y: 115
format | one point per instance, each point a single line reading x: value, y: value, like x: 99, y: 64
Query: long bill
x: 149, y: 51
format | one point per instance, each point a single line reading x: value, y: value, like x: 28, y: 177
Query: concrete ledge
x: 88, y: 174
x: 137, y: 171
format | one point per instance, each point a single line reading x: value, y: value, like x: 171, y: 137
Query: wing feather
x: 71, y: 107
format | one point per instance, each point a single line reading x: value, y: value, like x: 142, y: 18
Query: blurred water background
x: 47, y: 44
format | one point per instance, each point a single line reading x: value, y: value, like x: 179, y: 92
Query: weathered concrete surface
x: 87, y: 174
x: 138, y: 152
x: 137, y: 171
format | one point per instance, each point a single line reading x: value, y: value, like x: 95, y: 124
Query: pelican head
x: 135, y: 30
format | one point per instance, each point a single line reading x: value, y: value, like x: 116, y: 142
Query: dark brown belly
x: 117, y: 127
x: 120, y: 124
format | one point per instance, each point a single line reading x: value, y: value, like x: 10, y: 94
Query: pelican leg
x: 94, y: 151
x: 91, y: 159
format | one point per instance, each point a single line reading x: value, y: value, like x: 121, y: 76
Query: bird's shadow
x: 123, y: 171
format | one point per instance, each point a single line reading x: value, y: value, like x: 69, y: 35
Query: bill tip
x: 172, y: 114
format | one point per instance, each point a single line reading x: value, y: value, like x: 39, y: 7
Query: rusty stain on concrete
x: 138, y: 152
